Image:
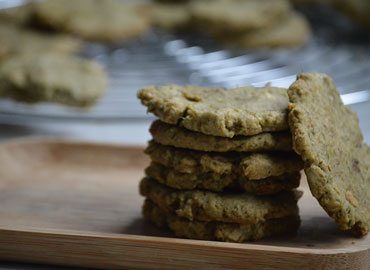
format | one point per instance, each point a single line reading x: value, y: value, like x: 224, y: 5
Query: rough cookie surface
x: 225, y: 207
x: 337, y: 163
x: 180, y: 137
x: 51, y: 77
x: 217, y: 182
x: 219, y: 112
x: 229, y: 232
x: 251, y: 166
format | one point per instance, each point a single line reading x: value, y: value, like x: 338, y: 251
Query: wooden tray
x: 77, y: 204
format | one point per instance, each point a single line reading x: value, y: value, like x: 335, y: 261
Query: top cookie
x: 218, y: 112
x: 101, y: 20
x: 337, y: 164
x: 238, y: 15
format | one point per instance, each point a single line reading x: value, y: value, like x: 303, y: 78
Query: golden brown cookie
x: 51, y: 77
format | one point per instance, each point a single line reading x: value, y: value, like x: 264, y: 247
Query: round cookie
x: 337, y: 163
x: 180, y: 137
x: 229, y: 232
x: 219, y: 112
x: 217, y: 183
x: 238, y: 15
x: 99, y: 20
x: 53, y: 78
x: 251, y: 166
x: 13, y: 40
x: 291, y: 31
x: 224, y: 207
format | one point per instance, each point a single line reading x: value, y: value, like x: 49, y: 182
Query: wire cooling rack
x: 159, y: 58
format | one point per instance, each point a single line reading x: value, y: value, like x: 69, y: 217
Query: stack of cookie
x: 222, y: 163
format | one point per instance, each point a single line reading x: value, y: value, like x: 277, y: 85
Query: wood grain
x: 77, y: 204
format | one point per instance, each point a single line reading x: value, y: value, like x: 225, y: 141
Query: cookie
x: 21, y: 15
x: 13, y: 40
x: 238, y: 15
x: 337, y: 163
x: 99, y: 20
x: 292, y: 31
x: 224, y: 207
x: 180, y: 137
x: 168, y: 16
x: 219, y: 112
x: 218, y: 182
x: 251, y: 166
x: 229, y: 232
x: 51, y: 77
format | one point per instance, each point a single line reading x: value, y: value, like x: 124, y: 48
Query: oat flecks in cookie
x: 229, y: 232
x: 180, y: 137
x: 219, y: 112
x: 51, y: 77
x: 252, y: 166
x: 100, y: 20
x: 337, y: 163
x: 225, y: 207
x: 217, y: 182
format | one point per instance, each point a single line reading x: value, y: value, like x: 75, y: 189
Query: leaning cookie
x: 217, y: 182
x: 219, y: 112
x: 180, y: 137
x: 224, y: 207
x: 51, y: 77
x: 228, y: 232
x: 101, y: 20
x: 292, y: 31
x: 337, y: 163
x: 251, y: 166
